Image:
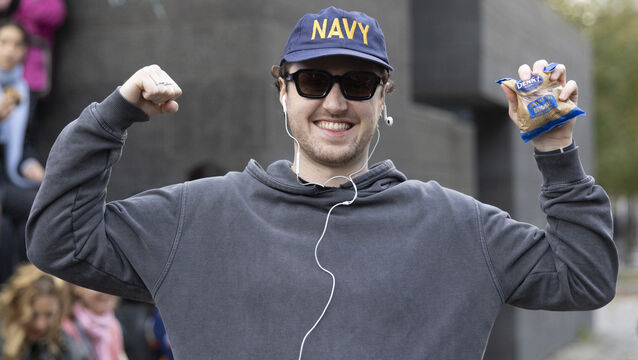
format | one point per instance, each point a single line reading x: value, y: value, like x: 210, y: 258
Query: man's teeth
x: 331, y: 125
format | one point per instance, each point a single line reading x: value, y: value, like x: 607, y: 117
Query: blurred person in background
x: 20, y: 171
x: 93, y: 323
x: 40, y: 19
x: 32, y: 305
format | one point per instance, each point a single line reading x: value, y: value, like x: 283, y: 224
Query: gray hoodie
x: 421, y: 270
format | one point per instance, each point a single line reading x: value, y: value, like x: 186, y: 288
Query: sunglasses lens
x: 312, y: 83
x: 359, y: 85
x: 356, y: 85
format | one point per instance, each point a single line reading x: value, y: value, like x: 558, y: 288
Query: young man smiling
x: 239, y: 266
x: 334, y: 133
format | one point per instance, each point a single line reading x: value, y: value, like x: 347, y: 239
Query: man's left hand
x: 561, y: 136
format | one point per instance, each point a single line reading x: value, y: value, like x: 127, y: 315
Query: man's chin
x: 336, y: 160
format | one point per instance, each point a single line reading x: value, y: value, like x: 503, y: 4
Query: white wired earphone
x: 389, y: 121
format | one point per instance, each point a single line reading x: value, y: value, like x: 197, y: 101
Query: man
x: 239, y: 266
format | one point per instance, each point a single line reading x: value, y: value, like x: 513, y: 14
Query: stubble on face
x: 326, y: 155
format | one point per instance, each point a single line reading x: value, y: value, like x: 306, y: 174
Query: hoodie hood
x: 280, y: 176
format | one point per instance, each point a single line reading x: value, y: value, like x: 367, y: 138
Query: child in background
x: 40, y: 19
x: 14, y: 107
x: 93, y: 323
x: 20, y: 171
x: 32, y: 305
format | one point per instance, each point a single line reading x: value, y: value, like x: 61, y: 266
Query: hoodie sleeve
x: 570, y: 265
x: 122, y: 247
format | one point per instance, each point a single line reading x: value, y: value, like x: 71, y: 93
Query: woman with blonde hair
x: 32, y: 306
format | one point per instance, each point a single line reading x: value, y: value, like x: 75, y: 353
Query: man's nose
x: 335, y: 102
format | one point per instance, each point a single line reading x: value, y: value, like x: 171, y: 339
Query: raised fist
x: 152, y: 90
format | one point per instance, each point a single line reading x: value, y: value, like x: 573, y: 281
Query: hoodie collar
x: 280, y: 176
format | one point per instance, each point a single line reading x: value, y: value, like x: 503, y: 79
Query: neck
x: 318, y: 173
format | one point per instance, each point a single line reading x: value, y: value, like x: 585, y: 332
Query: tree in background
x: 612, y: 26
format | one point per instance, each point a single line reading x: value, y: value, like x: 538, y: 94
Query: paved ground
x: 615, y: 328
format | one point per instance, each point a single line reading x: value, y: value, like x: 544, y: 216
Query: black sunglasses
x: 316, y: 84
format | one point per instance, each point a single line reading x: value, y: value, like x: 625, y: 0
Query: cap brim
x: 302, y: 55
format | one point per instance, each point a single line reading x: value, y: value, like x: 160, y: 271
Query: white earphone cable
x: 325, y: 226
x: 334, y: 281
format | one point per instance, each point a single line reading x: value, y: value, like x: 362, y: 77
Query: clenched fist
x: 152, y: 90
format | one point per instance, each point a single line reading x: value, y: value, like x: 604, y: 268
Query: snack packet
x: 539, y: 109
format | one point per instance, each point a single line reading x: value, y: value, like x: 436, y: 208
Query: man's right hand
x: 152, y: 90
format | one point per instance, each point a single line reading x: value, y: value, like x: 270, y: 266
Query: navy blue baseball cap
x: 334, y: 31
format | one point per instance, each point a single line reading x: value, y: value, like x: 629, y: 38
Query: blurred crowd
x: 43, y: 317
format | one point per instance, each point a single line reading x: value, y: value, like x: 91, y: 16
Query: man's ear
x: 282, y: 88
x: 383, y: 93
x: 386, y: 88
x: 282, y: 94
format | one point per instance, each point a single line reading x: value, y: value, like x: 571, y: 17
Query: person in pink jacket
x: 93, y: 324
x: 40, y: 18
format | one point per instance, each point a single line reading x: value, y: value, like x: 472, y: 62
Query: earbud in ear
x: 283, y: 103
x: 388, y: 119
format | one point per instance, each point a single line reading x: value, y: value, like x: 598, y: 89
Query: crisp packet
x: 539, y: 109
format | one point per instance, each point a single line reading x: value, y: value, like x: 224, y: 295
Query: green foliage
x: 616, y: 77
x: 612, y: 27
